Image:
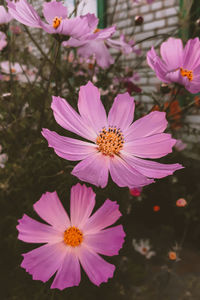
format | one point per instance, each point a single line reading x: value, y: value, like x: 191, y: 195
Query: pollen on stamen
x: 73, y: 236
x: 56, y: 22
x: 97, y: 30
x: 187, y: 73
x: 110, y: 141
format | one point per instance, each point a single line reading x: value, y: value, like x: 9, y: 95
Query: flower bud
x: 164, y: 88
x: 139, y: 20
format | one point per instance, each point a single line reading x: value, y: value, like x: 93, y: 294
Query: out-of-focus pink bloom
x: 136, y: 192
x: 55, y: 14
x: 18, y: 71
x: 97, y: 46
x: 16, y: 29
x: 94, y: 44
x: 147, y: 1
x: 117, y: 146
x: 123, y: 46
x: 178, y: 64
x: 181, y: 202
x: 69, y: 242
x: 129, y: 82
x: 180, y: 146
x: 9, y: 67
x: 5, y: 17
x: 3, y: 41
x: 3, y: 158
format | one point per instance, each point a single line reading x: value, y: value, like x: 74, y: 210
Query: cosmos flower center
x: 56, y: 22
x: 110, y: 141
x: 13, y: 70
x: 187, y: 73
x: 73, y: 236
x: 144, y: 249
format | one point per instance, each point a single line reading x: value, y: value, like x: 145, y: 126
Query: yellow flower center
x: 56, y: 22
x: 187, y: 73
x: 110, y: 141
x: 73, y: 236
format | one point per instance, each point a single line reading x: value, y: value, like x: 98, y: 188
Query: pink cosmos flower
x: 178, y: 64
x: 97, y: 45
x: 71, y: 242
x: 5, y: 17
x: 116, y: 145
x: 55, y: 13
x: 94, y: 43
x: 3, y: 41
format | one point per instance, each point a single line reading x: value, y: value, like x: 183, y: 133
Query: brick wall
x: 160, y: 18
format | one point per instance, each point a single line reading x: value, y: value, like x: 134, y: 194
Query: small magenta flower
x: 55, y: 13
x: 178, y: 64
x: 5, y: 17
x: 136, y: 192
x: 71, y: 242
x: 117, y: 146
x: 3, y: 41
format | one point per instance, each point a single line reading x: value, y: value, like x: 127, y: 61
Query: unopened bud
x: 198, y: 22
x: 164, y: 88
x: 139, y: 20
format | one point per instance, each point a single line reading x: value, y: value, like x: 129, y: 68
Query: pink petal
x: 155, y: 146
x: 92, y: 21
x: 172, y: 53
x: 153, y: 123
x: 122, y: 111
x: 68, y: 273
x: 103, y: 34
x: 51, y: 210
x: 44, y: 261
x: 96, y: 268
x: 91, y: 108
x: 5, y: 17
x: 54, y: 9
x: 157, y: 65
x: 69, y: 119
x: 23, y: 12
x: 68, y: 148
x: 107, y: 242
x: 105, y: 216
x: 124, y: 175
x: 82, y: 202
x: 191, y: 57
x: 76, y: 27
x: 93, y: 169
x: 32, y: 231
x: 152, y: 169
x: 100, y: 52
